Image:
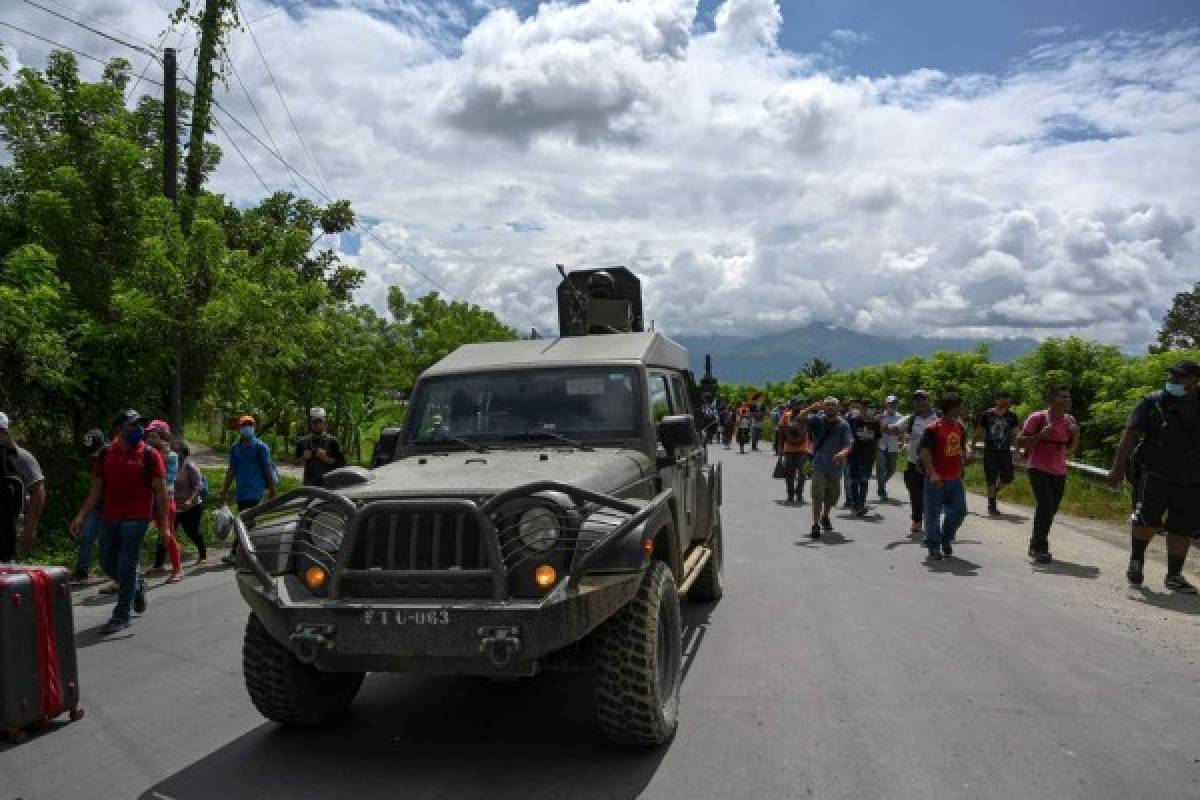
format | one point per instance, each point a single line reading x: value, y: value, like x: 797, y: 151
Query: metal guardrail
x: 1091, y: 471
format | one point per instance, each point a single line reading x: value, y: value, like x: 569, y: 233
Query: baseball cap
x: 920, y: 393
x: 159, y: 426
x: 127, y: 416
x: 3, y: 421
x: 891, y: 398
x: 316, y: 412
x: 93, y: 441
x: 832, y: 399
x: 1185, y: 369
x: 245, y: 419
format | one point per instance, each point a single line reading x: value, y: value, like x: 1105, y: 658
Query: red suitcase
x: 39, y: 677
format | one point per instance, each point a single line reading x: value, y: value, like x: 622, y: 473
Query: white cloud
x: 753, y: 188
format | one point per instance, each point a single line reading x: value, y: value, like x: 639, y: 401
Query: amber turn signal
x: 545, y: 576
x: 315, y: 578
x: 648, y: 546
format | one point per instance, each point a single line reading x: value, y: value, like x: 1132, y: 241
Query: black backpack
x: 12, y: 488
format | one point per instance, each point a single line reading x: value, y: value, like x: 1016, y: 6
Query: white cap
x: 3, y: 421
x: 891, y: 398
x: 316, y: 413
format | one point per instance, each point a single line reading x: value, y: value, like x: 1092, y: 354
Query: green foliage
x: 1181, y: 326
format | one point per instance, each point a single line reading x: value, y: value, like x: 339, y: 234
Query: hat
x: 245, y: 419
x: 93, y: 441
x: 127, y: 416
x: 1187, y: 369
x: 3, y: 421
x: 159, y: 426
x: 889, y: 400
x: 832, y: 399
x: 316, y: 412
x: 920, y: 393
x: 795, y: 401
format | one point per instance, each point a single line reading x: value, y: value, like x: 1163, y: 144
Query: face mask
x: 134, y: 437
x: 1176, y: 389
x: 855, y: 413
x: 247, y: 431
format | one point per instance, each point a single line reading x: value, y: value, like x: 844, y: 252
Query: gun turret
x: 598, y: 301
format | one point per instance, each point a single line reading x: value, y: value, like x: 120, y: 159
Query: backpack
x: 12, y: 488
x: 269, y: 470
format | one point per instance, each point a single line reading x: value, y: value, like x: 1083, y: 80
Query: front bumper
x: 500, y: 635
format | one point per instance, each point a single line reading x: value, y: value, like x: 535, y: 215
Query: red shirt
x: 944, y: 440
x: 128, y: 475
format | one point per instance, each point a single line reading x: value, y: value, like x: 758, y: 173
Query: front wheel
x: 287, y: 691
x: 638, y: 664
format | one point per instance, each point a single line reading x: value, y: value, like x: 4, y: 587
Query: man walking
x: 795, y: 447
x: 889, y: 447
x: 1049, y: 437
x: 758, y: 412
x: 129, y: 476
x: 943, y: 454
x: 250, y: 466
x: 1166, y: 425
x: 998, y: 426
x: 831, y: 448
x: 17, y: 536
x: 912, y: 428
x: 319, y: 451
x: 866, y: 433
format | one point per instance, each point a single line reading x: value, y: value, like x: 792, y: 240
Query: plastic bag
x: 780, y: 471
x: 222, y: 523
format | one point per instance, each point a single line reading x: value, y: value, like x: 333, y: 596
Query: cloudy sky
x: 931, y: 166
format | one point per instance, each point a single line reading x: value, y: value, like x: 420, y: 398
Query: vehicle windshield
x: 527, y: 405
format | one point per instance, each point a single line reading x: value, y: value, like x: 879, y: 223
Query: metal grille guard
x: 304, y: 497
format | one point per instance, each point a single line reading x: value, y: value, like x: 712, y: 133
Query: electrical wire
x: 87, y: 27
x: 237, y: 76
x: 62, y: 46
x: 93, y: 18
x: 245, y: 160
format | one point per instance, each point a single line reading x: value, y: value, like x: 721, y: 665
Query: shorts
x: 997, y: 466
x: 826, y: 487
x: 1178, y: 502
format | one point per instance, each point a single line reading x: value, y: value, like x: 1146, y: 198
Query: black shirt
x: 1170, y: 430
x: 866, y: 433
x: 315, y: 469
x: 999, y: 430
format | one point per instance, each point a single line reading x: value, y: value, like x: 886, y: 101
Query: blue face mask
x: 247, y: 431
x: 1176, y: 389
x: 134, y: 437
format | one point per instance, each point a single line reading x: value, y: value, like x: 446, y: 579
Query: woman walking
x: 189, y: 499
x: 158, y: 436
x: 1049, y: 437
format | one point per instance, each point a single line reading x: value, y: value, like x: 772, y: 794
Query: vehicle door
x: 672, y: 467
x: 696, y: 510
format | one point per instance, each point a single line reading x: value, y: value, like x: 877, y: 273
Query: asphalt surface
x: 845, y: 668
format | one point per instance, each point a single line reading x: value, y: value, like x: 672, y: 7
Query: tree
x: 1181, y: 325
x: 816, y: 368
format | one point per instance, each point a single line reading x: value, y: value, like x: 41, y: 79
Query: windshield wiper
x: 541, y: 433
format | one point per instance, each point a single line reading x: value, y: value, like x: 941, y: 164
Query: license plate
x: 406, y: 616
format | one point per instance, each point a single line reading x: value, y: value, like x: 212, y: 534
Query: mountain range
x: 779, y: 356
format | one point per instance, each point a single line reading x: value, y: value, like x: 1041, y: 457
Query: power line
x: 237, y: 76
x: 87, y: 27
x: 245, y: 160
x: 93, y: 18
x: 279, y: 94
x: 62, y: 46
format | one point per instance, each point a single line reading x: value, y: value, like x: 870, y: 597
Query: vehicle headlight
x: 326, y: 529
x: 538, y: 529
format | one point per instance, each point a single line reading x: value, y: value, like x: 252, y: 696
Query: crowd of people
x: 840, y: 446
x: 143, y: 476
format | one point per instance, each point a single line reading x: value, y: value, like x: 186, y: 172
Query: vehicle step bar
x: 693, y: 566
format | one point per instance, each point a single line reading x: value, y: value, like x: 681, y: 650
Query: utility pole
x: 210, y: 32
x: 171, y: 192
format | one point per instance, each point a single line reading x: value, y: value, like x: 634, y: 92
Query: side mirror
x: 677, y: 431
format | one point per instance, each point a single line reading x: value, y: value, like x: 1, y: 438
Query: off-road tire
x: 286, y: 691
x: 637, y: 672
x: 710, y: 583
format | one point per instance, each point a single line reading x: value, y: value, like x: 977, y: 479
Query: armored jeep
x: 545, y: 506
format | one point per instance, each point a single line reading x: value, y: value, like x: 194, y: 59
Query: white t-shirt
x: 919, y: 424
x: 890, y: 443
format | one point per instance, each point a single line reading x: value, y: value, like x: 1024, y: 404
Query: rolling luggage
x: 39, y: 678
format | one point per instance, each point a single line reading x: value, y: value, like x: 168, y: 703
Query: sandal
x: 176, y: 577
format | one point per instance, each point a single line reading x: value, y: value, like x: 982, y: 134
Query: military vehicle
x: 545, y: 507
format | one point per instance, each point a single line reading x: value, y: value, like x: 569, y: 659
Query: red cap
x: 159, y: 426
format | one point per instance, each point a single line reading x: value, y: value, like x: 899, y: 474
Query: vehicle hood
x: 472, y: 474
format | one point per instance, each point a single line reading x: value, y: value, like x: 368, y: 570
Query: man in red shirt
x: 943, y: 454
x: 128, y: 475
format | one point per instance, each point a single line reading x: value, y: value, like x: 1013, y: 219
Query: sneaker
x: 847, y: 506
x: 1041, y: 558
x: 993, y: 509
x: 1178, y: 583
x: 861, y: 511
x: 915, y: 527
x: 935, y: 554
x: 791, y: 499
x: 1134, y: 573
x: 79, y: 578
x: 114, y: 626
x: 815, y: 533
x: 139, y: 599
x: 883, y: 495
x: 826, y: 524
x: 947, y: 549
x: 228, y: 559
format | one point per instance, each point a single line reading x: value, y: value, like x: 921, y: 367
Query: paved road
x: 841, y: 669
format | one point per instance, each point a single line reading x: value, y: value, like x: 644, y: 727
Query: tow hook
x: 309, y: 640
x: 500, y: 644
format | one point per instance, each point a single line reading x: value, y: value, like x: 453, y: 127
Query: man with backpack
x: 795, y: 447
x: 831, y: 447
x: 23, y: 487
x: 129, y: 477
x: 1049, y: 437
x: 866, y: 433
x: 319, y: 451
x: 998, y: 427
x: 250, y: 466
x: 1165, y: 427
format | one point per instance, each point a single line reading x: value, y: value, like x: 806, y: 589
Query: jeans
x: 92, y: 529
x: 860, y: 479
x: 755, y: 435
x: 793, y: 465
x: 950, y: 497
x: 914, y: 481
x: 190, y: 522
x: 120, y: 551
x: 885, y: 468
x: 1048, y: 494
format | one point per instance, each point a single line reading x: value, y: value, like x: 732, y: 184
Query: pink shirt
x: 1050, y: 454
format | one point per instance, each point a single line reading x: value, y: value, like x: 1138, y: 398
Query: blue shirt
x: 250, y: 464
x: 830, y: 437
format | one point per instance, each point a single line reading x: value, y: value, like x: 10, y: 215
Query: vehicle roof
x: 651, y: 349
